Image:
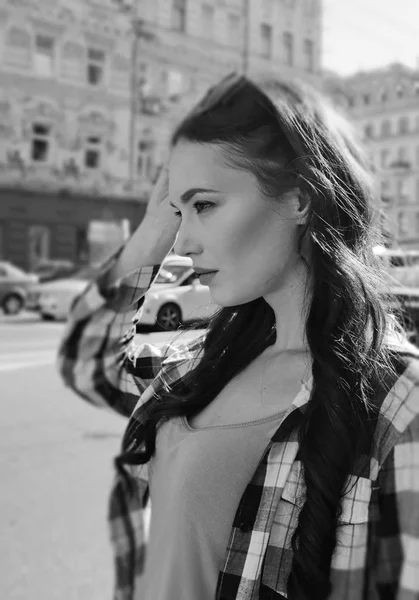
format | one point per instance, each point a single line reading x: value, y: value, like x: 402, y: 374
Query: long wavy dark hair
x: 287, y: 136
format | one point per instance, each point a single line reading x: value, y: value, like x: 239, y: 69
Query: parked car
x: 51, y: 269
x: 55, y: 298
x: 15, y: 285
x: 176, y: 297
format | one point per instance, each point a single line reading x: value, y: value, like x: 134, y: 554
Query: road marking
x: 12, y: 361
x: 17, y: 352
x: 26, y: 365
x: 25, y: 354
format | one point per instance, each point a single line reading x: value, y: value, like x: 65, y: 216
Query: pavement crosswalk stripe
x: 15, y: 366
x: 48, y: 343
x: 31, y: 355
x: 27, y: 358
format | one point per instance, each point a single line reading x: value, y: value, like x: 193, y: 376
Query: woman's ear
x: 299, y: 205
x: 303, y: 206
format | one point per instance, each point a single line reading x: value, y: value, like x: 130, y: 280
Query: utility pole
x: 136, y: 85
x: 246, y: 36
x: 134, y: 91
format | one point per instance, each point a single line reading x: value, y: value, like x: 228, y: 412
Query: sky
x: 365, y: 34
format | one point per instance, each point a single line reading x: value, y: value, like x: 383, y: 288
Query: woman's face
x: 231, y: 228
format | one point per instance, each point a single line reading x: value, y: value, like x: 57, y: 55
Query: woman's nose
x: 187, y: 241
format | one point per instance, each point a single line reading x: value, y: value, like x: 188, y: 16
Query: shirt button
x: 245, y: 526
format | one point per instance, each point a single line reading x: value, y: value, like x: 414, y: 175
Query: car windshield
x: 43, y: 269
x: 171, y: 273
x: 48, y: 267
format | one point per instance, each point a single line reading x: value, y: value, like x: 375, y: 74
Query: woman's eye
x: 199, y: 207
x: 202, y: 206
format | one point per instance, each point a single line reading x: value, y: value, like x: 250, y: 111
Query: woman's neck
x: 290, y: 304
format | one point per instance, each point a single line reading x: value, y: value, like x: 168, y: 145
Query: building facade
x: 91, y: 89
x: 384, y: 105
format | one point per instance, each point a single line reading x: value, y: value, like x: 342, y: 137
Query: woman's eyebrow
x: 189, y: 194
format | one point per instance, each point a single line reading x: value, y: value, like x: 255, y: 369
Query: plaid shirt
x: 377, y: 551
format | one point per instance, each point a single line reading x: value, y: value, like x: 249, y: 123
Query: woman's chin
x: 228, y: 300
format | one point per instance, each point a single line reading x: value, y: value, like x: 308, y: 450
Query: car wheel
x: 46, y: 317
x: 12, y: 304
x: 169, y: 317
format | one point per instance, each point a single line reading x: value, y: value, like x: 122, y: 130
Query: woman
x: 280, y: 449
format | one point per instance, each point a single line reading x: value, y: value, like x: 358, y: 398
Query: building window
x: 207, y: 24
x: 145, y: 166
x: 384, y: 158
x: 383, y: 96
x: 39, y: 238
x: 385, y: 189
x: 234, y: 29
x: 402, y: 154
x: 288, y: 48
x: 266, y: 40
x: 403, y: 223
x: 44, y: 55
x: 366, y: 98
x: 18, y: 48
x: 147, y: 78
x: 145, y: 161
x: 82, y: 245
x: 41, y: 140
x: 403, y: 125
x: 95, y: 66
x: 92, y: 152
x: 309, y: 55
x: 179, y: 15
x: 368, y: 131
x: 373, y: 158
x: 72, y: 62
x: 401, y: 190
x: 175, y: 84
x: 385, y: 128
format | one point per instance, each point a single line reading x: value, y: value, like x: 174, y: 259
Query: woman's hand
x: 155, y: 235
x: 159, y: 214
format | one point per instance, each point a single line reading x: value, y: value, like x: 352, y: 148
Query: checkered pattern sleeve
x: 97, y: 357
x: 398, y: 559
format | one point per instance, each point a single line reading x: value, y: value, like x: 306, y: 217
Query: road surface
x: 56, y: 471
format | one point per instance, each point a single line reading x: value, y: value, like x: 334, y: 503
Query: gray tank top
x: 197, y: 478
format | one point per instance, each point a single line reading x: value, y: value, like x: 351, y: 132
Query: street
x: 56, y: 472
